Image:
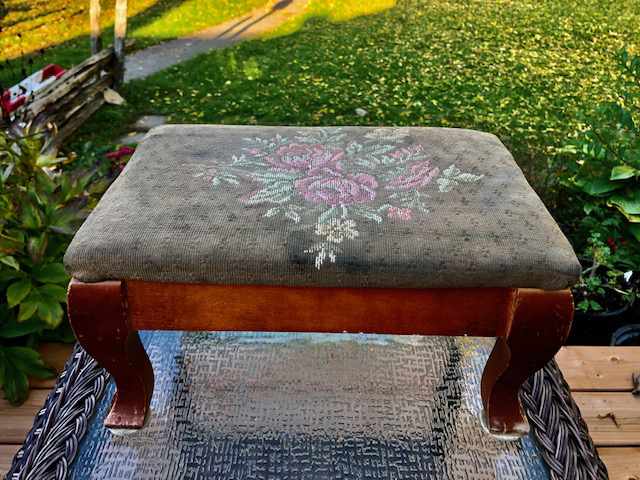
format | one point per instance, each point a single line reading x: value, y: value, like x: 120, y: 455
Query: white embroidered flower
x: 337, y: 229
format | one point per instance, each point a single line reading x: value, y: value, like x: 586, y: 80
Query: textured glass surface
x: 290, y: 406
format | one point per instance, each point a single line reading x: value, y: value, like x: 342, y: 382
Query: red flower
x: 399, y: 213
x: 121, y: 152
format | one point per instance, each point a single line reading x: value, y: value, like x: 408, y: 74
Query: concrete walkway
x: 164, y: 55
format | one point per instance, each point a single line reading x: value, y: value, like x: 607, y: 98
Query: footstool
x: 429, y: 231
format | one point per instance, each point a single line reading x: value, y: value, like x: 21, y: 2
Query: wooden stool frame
x: 531, y: 326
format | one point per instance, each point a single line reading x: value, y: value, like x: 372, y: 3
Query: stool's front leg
x: 540, y: 324
x: 98, y: 316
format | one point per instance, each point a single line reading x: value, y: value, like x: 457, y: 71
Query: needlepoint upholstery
x: 343, y: 207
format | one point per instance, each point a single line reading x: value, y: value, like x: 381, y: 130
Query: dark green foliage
x: 603, y: 284
x: 40, y: 209
x: 604, y: 172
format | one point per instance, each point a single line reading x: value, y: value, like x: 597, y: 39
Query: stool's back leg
x: 98, y: 316
x: 540, y: 325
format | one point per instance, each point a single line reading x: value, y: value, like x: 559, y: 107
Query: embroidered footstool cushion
x: 427, y: 231
x: 348, y: 207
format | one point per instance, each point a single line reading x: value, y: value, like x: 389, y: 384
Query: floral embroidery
x: 328, y: 182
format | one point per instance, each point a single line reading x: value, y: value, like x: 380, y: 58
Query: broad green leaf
x: 598, y: 186
x: 51, y: 273
x: 50, y: 312
x: 275, y: 192
x: 13, y: 329
x: 17, y: 291
x: 622, y: 172
x: 26, y: 310
x: 29, y: 361
x: 16, y: 383
x: 55, y: 292
x: 7, y: 275
x: 629, y: 205
x: 10, y: 261
x: 634, y: 228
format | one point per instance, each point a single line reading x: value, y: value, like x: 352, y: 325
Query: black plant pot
x: 597, y: 328
x: 627, y: 336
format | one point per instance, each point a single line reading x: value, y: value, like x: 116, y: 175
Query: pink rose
x: 296, y: 157
x: 397, y: 213
x: 335, y: 188
x: 420, y: 174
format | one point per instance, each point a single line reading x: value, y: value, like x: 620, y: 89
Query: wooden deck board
x: 613, y: 417
x: 6, y: 456
x: 599, y: 368
x: 599, y: 376
x: 600, y: 380
x: 17, y: 421
x: 622, y: 463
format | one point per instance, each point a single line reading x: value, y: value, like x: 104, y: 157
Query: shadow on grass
x: 216, y: 67
x: 278, y: 6
x: 76, y: 49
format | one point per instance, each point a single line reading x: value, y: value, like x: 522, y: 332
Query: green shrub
x: 40, y: 209
x: 606, y: 166
x: 605, y: 175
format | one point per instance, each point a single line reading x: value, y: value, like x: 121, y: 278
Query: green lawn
x: 522, y: 69
x: 61, y: 27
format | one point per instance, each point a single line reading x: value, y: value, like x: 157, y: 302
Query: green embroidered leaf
x: 293, y: 215
x: 276, y: 192
x: 232, y: 179
x: 272, y: 212
x: 353, y: 148
x: 371, y: 215
x: 468, y: 177
x: 379, y: 149
x: 327, y: 215
x: 453, y: 176
x: 274, y: 176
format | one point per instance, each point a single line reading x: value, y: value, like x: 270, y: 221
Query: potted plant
x: 605, y: 294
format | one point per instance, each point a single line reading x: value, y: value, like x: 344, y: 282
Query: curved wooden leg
x: 98, y: 316
x: 540, y: 325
